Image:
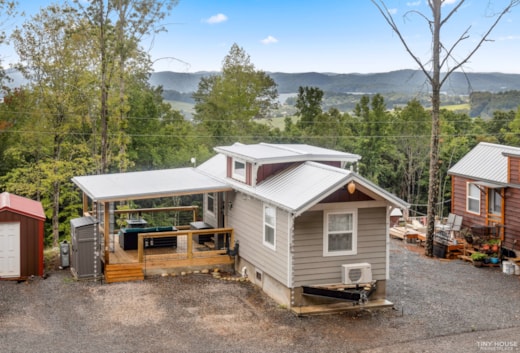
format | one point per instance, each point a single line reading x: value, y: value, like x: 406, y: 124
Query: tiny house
x: 21, y: 237
x: 485, y: 187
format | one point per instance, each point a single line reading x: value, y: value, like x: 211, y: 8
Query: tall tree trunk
x: 433, y: 188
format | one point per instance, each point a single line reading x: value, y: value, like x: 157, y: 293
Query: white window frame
x: 470, y: 197
x: 267, y: 224
x: 326, y: 232
x: 238, y: 176
x: 210, y: 198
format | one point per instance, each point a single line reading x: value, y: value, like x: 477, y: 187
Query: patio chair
x: 449, y: 223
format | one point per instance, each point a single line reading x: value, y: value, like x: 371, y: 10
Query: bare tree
x: 439, y: 66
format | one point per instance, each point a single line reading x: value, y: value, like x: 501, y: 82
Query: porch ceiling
x: 147, y: 184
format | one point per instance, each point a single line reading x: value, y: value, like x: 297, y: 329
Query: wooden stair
x: 124, y: 272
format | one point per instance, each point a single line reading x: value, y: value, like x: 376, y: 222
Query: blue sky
x: 342, y: 36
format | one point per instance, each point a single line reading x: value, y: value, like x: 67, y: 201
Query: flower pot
x: 477, y: 263
x: 485, y: 247
x: 494, y: 260
x: 494, y: 248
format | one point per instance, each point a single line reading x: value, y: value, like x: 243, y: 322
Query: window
x: 270, y: 226
x: 239, y: 170
x: 473, y: 201
x: 340, y: 233
x: 495, y: 201
x: 211, y: 202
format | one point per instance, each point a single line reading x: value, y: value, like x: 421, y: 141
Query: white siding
x: 246, y: 217
x: 311, y: 267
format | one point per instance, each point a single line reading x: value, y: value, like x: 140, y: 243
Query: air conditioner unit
x: 356, y: 273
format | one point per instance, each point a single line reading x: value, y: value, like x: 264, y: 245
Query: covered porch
x: 189, y: 247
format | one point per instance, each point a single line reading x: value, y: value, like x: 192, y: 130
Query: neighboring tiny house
x: 485, y: 186
x: 21, y: 237
x: 300, y: 218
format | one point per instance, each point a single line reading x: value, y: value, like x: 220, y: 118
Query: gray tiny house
x: 300, y: 217
x: 297, y: 221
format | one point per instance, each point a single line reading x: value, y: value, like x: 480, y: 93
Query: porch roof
x: 147, y: 184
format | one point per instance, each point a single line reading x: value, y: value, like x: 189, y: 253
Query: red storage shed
x: 21, y: 237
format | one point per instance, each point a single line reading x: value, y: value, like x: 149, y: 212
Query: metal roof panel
x: 486, y: 161
x: 147, y: 184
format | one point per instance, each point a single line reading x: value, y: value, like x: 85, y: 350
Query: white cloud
x: 510, y: 37
x: 392, y: 11
x: 218, y: 18
x: 413, y: 3
x: 269, y: 40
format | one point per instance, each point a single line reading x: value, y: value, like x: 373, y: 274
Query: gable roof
x: 147, y: 184
x: 21, y: 205
x: 485, y: 162
x: 300, y: 187
x: 263, y: 153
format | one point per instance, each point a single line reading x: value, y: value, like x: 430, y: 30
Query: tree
x: 50, y: 47
x: 308, y: 105
x: 121, y: 25
x: 8, y: 10
x: 373, y: 131
x: 227, y: 104
x: 413, y: 150
x: 443, y: 60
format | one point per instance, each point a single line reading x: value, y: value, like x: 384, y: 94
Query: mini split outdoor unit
x: 356, y: 273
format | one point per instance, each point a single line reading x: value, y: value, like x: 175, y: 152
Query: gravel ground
x: 440, y: 306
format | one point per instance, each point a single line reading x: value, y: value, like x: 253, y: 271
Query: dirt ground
x: 440, y: 306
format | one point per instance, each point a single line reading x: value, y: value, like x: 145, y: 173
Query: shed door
x: 9, y: 250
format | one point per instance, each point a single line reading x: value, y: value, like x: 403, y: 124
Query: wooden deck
x: 129, y: 265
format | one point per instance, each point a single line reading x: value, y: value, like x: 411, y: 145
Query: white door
x: 9, y: 250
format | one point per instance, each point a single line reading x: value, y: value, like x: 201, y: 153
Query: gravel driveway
x: 440, y: 306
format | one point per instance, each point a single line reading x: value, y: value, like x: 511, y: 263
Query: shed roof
x: 21, y: 205
x: 486, y: 162
x: 262, y: 153
x: 147, y: 184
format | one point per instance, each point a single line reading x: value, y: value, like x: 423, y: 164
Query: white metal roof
x: 147, y: 184
x: 486, y: 161
x: 298, y: 188
x: 276, y: 153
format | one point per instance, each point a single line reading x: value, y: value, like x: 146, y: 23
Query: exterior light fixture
x: 351, y: 187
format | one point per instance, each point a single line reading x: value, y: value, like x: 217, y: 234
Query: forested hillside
x: 86, y: 106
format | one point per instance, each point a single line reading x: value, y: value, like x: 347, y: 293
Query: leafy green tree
x: 512, y: 137
x: 308, y: 105
x: 374, y: 121
x: 120, y: 26
x: 410, y: 132
x: 227, y: 104
x: 50, y: 48
x: 7, y: 10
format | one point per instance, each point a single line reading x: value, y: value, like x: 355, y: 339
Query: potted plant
x: 494, y: 245
x: 494, y: 259
x: 478, y: 258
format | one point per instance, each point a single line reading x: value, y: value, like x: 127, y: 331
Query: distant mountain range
x: 403, y: 81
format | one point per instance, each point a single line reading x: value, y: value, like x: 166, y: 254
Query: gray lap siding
x: 246, y: 218
x: 311, y: 267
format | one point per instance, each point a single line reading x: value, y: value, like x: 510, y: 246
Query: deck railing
x: 189, y: 233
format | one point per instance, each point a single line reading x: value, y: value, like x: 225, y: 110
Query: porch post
x: 85, y: 204
x: 106, y: 227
